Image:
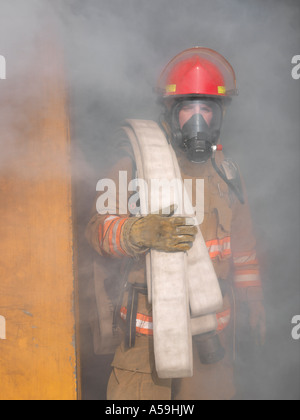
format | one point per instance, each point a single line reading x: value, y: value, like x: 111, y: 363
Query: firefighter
x: 194, y: 89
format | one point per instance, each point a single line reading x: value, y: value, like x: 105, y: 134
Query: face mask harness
x: 196, y: 136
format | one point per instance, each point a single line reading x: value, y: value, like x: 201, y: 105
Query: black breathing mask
x: 196, y: 136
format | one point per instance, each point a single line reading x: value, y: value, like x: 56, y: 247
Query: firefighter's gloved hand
x: 163, y: 233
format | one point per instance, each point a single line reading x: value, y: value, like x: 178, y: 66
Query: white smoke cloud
x: 114, y: 52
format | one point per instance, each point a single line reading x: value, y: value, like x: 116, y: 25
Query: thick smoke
x: 114, y: 51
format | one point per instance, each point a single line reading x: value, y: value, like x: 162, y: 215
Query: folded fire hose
x: 182, y: 287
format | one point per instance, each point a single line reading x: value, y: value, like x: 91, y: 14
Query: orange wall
x: 38, y: 358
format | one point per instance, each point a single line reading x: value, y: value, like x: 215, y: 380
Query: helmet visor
x: 197, y: 71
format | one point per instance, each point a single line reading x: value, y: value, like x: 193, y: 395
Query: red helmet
x: 197, y: 72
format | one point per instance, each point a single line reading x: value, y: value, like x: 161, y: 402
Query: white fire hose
x: 182, y: 287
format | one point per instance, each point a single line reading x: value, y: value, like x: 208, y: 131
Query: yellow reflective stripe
x: 247, y: 278
x: 144, y: 323
x: 246, y: 258
x: 219, y: 247
x: 223, y: 319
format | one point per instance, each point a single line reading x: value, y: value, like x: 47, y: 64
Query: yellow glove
x: 163, y: 233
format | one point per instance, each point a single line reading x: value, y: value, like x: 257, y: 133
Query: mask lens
x: 209, y: 110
